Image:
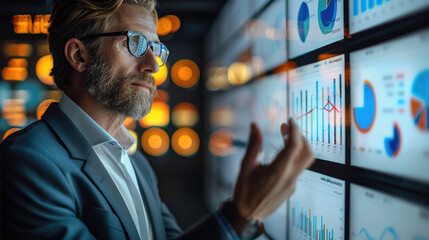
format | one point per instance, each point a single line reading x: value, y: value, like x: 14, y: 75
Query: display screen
x: 316, y: 209
x: 390, y: 106
x: 313, y: 24
x: 269, y: 36
x: 376, y: 215
x: 364, y: 14
x: 316, y: 102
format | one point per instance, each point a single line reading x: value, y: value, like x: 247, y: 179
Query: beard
x: 116, y: 93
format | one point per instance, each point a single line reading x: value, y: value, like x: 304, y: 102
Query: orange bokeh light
x: 185, y: 142
x: 18, y: 50
x: 184, y: 115
x: 18, y: 62
x: 9, y: 132
x: 164, y: 26
x: 43, y: 106
x: 185, y: 73
x: 43, y: 69
x: 159, y: 115
x: 129, y: 123
x: 155, y: 141
x: 162, y: 96
x: 14, y: 73
x: 175, y: 22
x: 220, y: 142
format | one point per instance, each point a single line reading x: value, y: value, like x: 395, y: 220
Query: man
x: 68, y: 176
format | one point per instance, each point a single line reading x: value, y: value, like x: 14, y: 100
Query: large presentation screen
x: 365, y: 14
x: 376, y: 215
x: 313, y: 24
x: 316, y: 209
x: 390, y: 105
x: 317, y: 103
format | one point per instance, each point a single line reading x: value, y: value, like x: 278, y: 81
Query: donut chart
x: 364, y: 116
x: 420, y: 101
x: 303, y: 21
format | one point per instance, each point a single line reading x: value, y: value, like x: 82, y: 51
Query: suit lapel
x: 151, y: 204
x: 95, y: 170
x: 80, y: 149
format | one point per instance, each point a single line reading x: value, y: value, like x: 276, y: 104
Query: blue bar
x: 335, y: 117
x: 305, y: 218
x: 379, y: 2
x: 371, y: 4
x: 363, y: 6
x: 317, y: 110
x: 323, y: 116
x: 329, y: 122
x: 301, y: 112
x: 306, y: 116
x: 356, y: 7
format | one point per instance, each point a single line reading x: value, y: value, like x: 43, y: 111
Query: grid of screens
x: 316, y: 102
x: 363, y: 106
x: 376, y: 215
x: 390, y: 106
x: 316, y: 209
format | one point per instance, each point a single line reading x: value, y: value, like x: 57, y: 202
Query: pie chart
x: 364, y: 116
x: 393, y: 144
x: 303, y: 21
x: 327, y: 14
x: 420, y: 100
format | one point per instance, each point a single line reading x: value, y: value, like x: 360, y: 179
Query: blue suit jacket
x: 55, y: 187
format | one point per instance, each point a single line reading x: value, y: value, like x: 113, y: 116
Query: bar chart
x: 365, y: 14
x: 316, y: 101
x: 378, y: 216
x: 317, y: 208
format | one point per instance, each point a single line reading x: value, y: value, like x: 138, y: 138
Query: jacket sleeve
x: 36, y: 199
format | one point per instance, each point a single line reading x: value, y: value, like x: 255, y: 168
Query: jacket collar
x: 80, y: 149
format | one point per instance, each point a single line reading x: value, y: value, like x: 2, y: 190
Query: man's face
x: 119, y: 81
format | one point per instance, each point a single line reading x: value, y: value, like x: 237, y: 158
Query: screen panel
x: 376, y: 215
x: 313, y: 24
x: 317, y: 103
x: 365, y: 14
x: 390, y: 107
x: 316, y: 209
x: 269, y: 36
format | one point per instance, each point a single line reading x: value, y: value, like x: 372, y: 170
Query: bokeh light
x: 175, y: 22
x: 184, y: 115
x: 220, y: 142
x: 185, y: 142
x: 9, y: 132
x: 223, y: 116
x: 43, y: 69
x: 185, y: 73
x: 159, y: 115
x: 238, y: 73
x: 18, y: 62
x: 155, y: 141
x: 13, y: 110
x: 18, y: 50
x: 164, y: 26
x: 31, y: 92
x: 161, y: 75
x: 14, y: 73
x: 41, y: 109
x: 133, y: 149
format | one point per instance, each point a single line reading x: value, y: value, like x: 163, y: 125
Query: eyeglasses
x: 138, y: 45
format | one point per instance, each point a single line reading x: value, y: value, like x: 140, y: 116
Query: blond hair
x: 79, y: 18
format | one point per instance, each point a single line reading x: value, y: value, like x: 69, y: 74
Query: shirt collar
x: 92, y: 131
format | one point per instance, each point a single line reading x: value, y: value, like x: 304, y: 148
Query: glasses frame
x: 129, y: 34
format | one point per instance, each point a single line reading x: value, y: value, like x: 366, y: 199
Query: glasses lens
x: 137, y: 44
x: 160, y: 51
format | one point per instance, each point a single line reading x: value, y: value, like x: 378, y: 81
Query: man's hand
x: 260, y: 190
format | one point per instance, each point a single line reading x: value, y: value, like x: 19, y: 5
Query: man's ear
x: 76, y: 54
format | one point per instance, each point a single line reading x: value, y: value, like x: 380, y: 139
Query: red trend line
x: 324, y: 108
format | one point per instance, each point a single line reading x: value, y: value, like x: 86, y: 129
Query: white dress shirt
x: 111, y: 150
